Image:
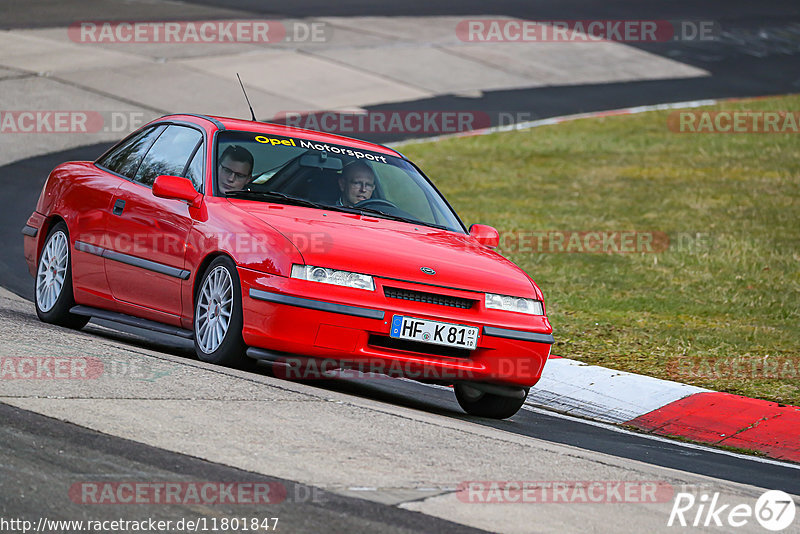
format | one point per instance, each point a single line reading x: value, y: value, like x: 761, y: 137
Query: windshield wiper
x: 267, y: 195
x: 396, y: 217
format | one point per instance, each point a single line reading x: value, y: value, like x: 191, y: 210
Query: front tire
x: 483, y: 404
x: 53, y: 292
x: 218, y: 315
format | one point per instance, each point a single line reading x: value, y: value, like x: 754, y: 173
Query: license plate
x: 425, y: 331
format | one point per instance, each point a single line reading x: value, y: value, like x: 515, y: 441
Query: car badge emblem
x: 427, y: 270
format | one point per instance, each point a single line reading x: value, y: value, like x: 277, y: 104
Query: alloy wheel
x: 52, y: 271
x: 214, y: 309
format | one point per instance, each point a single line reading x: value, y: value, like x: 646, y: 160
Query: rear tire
x: 53, y: 292
x: 218, y: 316
x: 482, y: 404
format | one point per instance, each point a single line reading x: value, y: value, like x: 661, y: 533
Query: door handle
x: 119, y: 205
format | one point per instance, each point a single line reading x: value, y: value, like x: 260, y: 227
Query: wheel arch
x: 49, y: 222
x: 201, y: 269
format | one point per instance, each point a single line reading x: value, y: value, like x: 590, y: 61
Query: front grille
x: 429, y: 298
x: 415, y: 346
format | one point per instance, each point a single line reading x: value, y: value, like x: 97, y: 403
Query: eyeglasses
x: 237, y: 175
x: 366, y: 185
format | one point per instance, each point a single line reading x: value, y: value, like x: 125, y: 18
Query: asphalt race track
x: 43, y: 456
x: 63, y: 452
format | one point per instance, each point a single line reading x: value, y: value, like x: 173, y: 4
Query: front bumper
x: 351, y: 326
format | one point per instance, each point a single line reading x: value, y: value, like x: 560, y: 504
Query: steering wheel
x: 375, y: 203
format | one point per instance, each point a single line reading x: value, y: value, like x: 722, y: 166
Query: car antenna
x: 253, y: 115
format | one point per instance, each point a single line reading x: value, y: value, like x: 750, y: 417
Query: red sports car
x: 309, y: 250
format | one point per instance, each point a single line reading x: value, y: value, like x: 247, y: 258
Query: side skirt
x: 130, y: 320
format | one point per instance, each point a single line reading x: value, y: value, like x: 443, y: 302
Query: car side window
x: 169, y: 154
x: 196, y: 167
x: 126, y: 157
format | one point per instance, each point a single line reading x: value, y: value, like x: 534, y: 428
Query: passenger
x: 235, y: 168
x: 356, y: 184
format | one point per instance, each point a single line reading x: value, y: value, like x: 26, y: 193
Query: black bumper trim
x: 518, y: 334
x: 142, y: 263
x: 344, y: 309
x: 29, y: 230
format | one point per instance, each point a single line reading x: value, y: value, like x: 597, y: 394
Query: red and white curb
x: 729, y: 420
x: 668, y: 408
x: 575, y: 388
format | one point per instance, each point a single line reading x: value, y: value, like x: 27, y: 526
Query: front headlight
x: 332, y: 276
x: 514, y: 304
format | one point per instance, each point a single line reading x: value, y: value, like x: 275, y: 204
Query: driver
x: 356, y: 184
x: 234, y: 169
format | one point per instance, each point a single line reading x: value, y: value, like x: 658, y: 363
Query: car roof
x: 268, y: 128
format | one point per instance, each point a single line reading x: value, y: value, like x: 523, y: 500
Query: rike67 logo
x: 774, y: 510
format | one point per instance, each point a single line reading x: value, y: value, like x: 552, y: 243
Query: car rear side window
x: 169, y: 154
x: 125, y: 158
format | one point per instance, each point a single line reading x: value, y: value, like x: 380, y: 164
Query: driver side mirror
x: 176, y: 188
x: 485, y: 235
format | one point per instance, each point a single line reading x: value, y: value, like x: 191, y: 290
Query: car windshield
x: 273, y: 168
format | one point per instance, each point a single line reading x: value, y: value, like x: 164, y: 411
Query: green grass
x: 718, y: 305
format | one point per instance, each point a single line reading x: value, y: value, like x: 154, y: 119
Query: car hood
x: 392, y: 249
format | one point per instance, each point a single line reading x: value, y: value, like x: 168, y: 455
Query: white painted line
x: 614, y: 428
x: 527, y: 125
x: 695, y: 446
x: 572, y: 387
